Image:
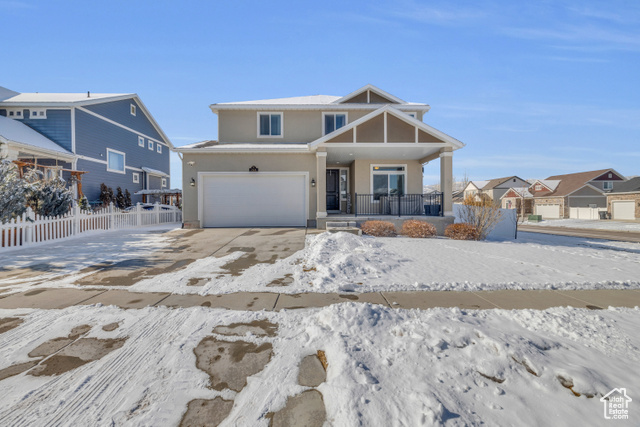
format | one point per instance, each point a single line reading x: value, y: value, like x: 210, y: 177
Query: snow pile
x: 385, y: 367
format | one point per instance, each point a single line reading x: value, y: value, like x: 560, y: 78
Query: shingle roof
x: 633, y: 185
x: 295, y: 100
x: 55, y: 98
x: 571, y: 182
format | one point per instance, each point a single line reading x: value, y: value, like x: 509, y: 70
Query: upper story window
x: 136, y: 178
x: 159, y: 148
x: 538, y: 187
x: 14, y: 114
x: 333, y: 121
x: 164, y: 182
x: 115, y: 161
x: 39, y: 113
x: 607, y: 185
x: 150, y: 146
x: 132, y: 109
x: 270, y: 125
x: 140, y: 141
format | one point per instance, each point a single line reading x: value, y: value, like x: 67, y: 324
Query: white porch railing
x: 31, y: 229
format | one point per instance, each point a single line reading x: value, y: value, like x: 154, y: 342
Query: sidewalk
x: 254, y: 301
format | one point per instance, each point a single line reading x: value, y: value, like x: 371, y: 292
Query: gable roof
x: 397, y: 113
x: 320, y: 102
x: 519, y: 192
x: 478, y: 184
x: 571, y: 182
x: 371, y: 88
x: 7, y: 93
x: 497, y: 181
x: 630, y: 186
x: 14, y: 131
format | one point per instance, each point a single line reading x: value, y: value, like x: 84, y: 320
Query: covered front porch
x: 374, y: 168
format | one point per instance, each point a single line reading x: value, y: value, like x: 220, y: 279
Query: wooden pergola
x: 75, y: 175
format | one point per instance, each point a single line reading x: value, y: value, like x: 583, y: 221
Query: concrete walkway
x: 253, y: 301
x: 619, y: 236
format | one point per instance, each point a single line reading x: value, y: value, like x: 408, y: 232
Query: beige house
x: 304, y: 160
x: 493, y: 189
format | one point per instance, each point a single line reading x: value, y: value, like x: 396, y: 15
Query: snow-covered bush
x: 106, y: 195
x: 50, y: 198
x: 379, y: 228
x: 13, y: 192
x: 419, y: 229
x: 462, y: 231
x: 83, y: 204
x: 120, y: 201
x: 127, y: 199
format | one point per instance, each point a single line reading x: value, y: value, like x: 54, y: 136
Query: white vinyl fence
x: 586, y: 213
x: 31, y: 229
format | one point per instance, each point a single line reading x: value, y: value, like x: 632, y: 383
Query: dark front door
x: 333, y: 189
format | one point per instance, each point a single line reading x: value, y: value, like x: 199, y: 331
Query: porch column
x: 446, y: 180
x: 321, y: 183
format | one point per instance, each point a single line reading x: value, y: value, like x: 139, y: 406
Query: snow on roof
x: 7, y: 93
x: 295, y: 100
x: 46, y: 98
x: 171, y: 191
x: 479, y: 184
x: 15, y: 131
x: 154, y: 171
x: 551, y: 183
x: 521, y: 191
x: 239, y: 147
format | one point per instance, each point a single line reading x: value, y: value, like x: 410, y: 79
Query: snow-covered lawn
x: 589, y: 224
x: 343, y: 262
x: 385, y: 367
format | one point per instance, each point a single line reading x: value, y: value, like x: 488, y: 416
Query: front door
x: 333, y: 189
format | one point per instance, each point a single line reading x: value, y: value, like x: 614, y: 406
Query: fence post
x: 76, y: 219
x: 28, y: 218
x: 355, y: 206
x: 156, y: 208
x: 399, y: 206
x: 110, y: 212
x: 138, y: 215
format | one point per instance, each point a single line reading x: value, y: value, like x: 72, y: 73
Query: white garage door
x: 624, y: 210
x: 548, y: 211
x: 253, y: 200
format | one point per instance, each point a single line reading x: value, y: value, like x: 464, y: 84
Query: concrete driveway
x: 260, y: 245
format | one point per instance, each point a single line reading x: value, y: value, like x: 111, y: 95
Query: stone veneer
x: 562, y: 201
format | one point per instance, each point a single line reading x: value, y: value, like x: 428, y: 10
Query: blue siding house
x: 111, y: 137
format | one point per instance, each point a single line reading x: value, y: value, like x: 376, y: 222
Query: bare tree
x: 483, y: 214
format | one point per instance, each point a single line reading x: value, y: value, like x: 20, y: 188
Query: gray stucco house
x: 111, y: 137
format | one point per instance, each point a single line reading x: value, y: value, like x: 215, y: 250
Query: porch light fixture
x: 313, y: 182
x: 193, y: 182
x: 192, y: 163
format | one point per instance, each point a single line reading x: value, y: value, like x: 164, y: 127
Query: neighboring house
x: 297, y: 161
x: 623, y: 203
x: 97, y: 138
x: 492, y: 189
x: 555, y: 196
x: 516, y: 198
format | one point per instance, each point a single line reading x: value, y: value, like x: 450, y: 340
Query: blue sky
x: 533, y: 88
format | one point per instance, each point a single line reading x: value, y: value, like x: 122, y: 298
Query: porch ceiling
x: 346, y: 153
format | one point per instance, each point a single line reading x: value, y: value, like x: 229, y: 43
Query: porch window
x: 388, y: 181
x: 343, y: 184
x: 115, y: 161
x: 333, y: 121
x: 269, y: 124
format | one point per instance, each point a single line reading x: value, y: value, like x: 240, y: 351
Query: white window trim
x: 150, y: 145
x: 136, y: 178
x: 270, y: 113
x: 604, y: 185
x: 132, y: 109
x: 140, y: 141
x: 17, y: 113
x: 341, y: 168
x: 34, y: 113
x: 124, y: 161
x: 159, y: 148
x: 164, y: 182
x: 371, y: 173
x: 346, y: 119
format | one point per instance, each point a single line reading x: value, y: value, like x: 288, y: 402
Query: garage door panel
x: 255, y: 200
x: 623, y: 210
x: 548, y: 211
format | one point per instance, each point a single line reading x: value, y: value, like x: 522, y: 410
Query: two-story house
x: 575, y: 195
x: 493, y: 189
x: 96, y: 138
x: 298, y: 161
